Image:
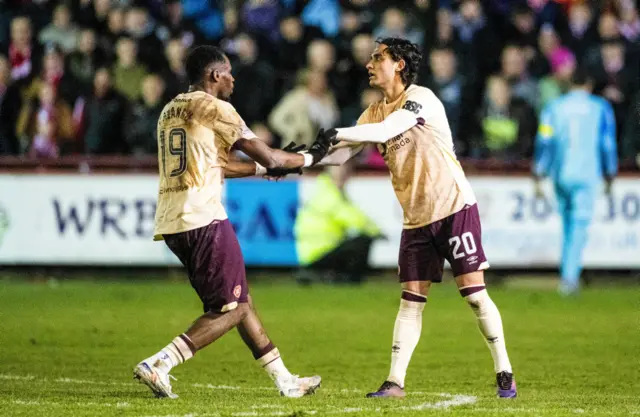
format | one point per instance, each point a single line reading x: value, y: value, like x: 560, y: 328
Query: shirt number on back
x: 177, y: 147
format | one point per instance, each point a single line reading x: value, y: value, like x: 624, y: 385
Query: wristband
x: 308, y: 159
x: 260, y: 170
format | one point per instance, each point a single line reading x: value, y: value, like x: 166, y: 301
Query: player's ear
x: 215, y: 75
x: 400, y: 65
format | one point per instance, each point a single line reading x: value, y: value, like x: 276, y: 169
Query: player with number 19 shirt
x: 441, y: 220
x: 196, y: 132
x: 192, y: 171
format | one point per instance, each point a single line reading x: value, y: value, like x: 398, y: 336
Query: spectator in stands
x: 563, y: 65
x: 507, y: 125
x: 142, y: 118
x: 450, y: 87
x: 128, y: 73
x: 92, y: 13
x: 548, y: 42
x: 102, y: 116
x: 53, y: 72
x: 352, y: 69
x: 261, y: 18
x: 141, y: 28
x: 582, y: 31
x: 23, y: 54
x: 84, y: 61
x: 321, y: 56
x: 629, y: 26
x: 521, y: 29
x: 479, y: 45
x: 514, y: 70
x: 61, y: 31
x: 350, y: 24
x: 177, y: 27
x: 333, y: 236
x: 445, y: 33
x: 175, y: 74
x: 292, y: 48
x: 615, y: 79
x: 45, y: 125
x: 305, y: 109
x: 631, y: 136
x: 115, y: 30
x: 394, y: 24
x: 254, y: 94
x: 608, y: 27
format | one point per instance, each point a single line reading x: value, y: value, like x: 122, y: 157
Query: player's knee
x: 242, y: 310
x: 417, y: 287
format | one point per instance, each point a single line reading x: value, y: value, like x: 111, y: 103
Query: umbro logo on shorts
x: 237, y: 290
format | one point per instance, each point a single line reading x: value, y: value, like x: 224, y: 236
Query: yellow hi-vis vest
x: 327, y: 219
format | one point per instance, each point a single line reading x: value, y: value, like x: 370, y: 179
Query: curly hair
x: 398, y: 49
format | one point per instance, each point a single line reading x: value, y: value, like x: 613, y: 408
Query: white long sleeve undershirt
x: 338, y: 156
x: 398, y: 122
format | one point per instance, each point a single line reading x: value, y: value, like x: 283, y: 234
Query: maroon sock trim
x: 413, y: 297
x: 258, y: 353
x: 178, y: 349
x: 189, y: 343
x: 275, y: 359
x: 471, y: 290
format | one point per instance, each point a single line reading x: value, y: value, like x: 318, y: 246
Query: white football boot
x: 296, y: 387
x: 154, y: 378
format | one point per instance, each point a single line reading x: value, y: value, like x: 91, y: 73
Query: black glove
x: 281, y: 172
x: 320, y: 147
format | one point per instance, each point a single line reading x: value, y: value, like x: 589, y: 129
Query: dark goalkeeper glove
x: 320, y: 147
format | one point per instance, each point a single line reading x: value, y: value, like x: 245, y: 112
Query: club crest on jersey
x: 237, y: 290
x: 412, y: 106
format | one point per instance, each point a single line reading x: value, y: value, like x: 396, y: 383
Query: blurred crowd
x: 92, y: 76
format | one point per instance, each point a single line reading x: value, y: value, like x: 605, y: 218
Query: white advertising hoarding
x: 108, y: 220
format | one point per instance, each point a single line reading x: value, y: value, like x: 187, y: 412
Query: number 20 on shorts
x: 462, y: 245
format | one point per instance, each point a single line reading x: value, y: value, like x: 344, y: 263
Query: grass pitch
x: 69, y: 349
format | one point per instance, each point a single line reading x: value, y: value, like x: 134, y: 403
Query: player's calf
x: 490, y: 325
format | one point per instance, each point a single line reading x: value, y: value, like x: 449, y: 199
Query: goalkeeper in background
x: 576, y: 148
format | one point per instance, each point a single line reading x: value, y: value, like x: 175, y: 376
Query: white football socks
x: 273, y: 364
x: 489, y: 323
x: 175, y: 353
x: 406, y: 334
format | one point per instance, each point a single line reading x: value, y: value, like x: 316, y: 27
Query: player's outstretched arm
x: 276, y: 159
x: 241, y: 169
x: 341, y: 153
x: 398, y: 122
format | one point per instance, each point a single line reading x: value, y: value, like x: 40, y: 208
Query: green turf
x: 68, y: 350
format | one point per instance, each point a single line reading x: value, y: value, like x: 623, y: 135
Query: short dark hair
x: 581, y: 77
x: 199, y: 59
x: 398, y: 49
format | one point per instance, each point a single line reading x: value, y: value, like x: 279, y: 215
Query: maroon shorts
x: 214, y: 263
x: 456, y: 238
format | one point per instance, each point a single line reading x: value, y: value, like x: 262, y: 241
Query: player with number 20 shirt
x: 441, y: 220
